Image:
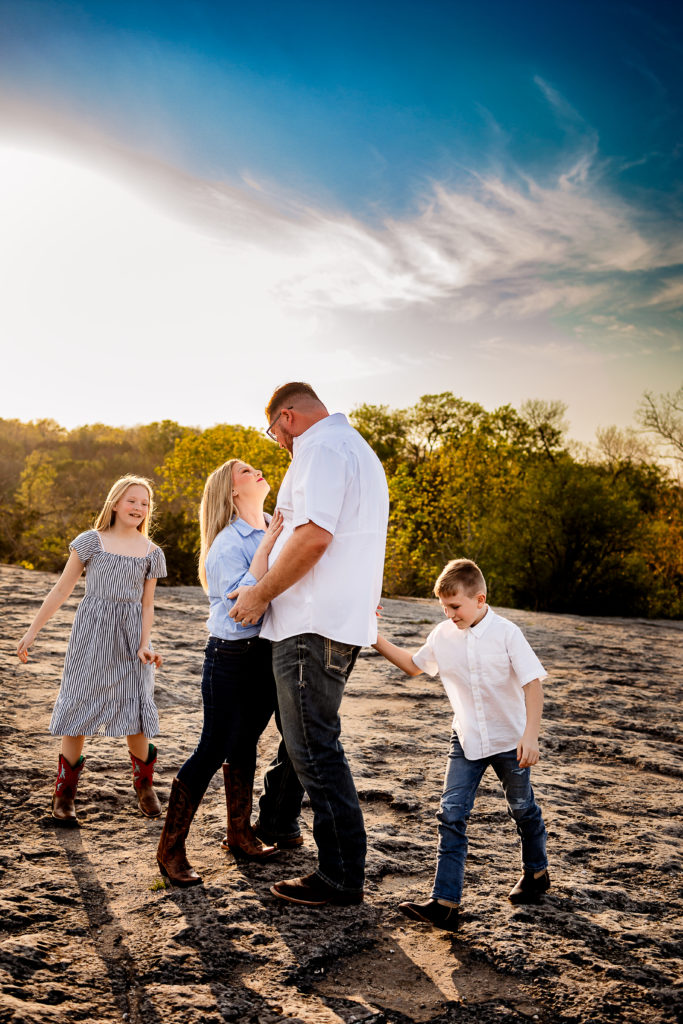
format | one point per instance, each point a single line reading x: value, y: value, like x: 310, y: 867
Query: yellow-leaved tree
x: 184, y: 473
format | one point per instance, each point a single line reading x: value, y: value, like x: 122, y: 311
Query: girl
x: 238, y: 688
x: 108, y: 680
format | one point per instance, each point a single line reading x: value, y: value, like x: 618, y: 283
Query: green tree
x: 568, y: 541
x: 547, y: 425
x: 594, y: 534
x: 444, y: 506
x: 384, y: 429
x: 437, y: 419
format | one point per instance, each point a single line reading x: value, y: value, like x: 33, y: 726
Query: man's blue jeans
x: 310, y: 673
x: 460, y: 788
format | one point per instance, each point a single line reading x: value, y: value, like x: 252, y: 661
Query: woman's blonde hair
x: 217, y: 510
x: 107, y: 516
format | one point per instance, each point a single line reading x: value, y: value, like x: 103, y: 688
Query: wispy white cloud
x: 555, y: 353
x: 558, y: 102
x: 213, y: 293
x: 499, y: 248
x: 669, y: 294
x: 510, y: 249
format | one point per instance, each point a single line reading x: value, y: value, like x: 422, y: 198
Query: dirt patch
x: 88, y: 931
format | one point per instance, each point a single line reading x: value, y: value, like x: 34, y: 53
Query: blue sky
x: 385, y: 198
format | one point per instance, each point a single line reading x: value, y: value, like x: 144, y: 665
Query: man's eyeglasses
x: 269, y: 428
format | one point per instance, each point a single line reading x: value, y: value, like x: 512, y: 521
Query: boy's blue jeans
x: 311, y: 673
x: 460, y: 788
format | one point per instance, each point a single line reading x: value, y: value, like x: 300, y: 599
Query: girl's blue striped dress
x: 105, y: 687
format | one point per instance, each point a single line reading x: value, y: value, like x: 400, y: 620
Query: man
x: 321, y: 592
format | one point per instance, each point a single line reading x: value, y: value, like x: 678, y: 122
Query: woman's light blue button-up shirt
x: 227, y: 567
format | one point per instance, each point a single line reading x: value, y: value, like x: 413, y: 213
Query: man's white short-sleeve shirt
x: 484, y: 670
x: 336, y: 481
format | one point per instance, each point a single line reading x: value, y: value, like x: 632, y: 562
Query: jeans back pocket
x: 339, y: 657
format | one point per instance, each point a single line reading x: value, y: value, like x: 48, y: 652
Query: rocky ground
x: 88, y: 931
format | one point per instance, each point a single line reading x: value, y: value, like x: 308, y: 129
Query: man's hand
x: 303, y: 549
x: 527, y: 751
x: 248, y: 607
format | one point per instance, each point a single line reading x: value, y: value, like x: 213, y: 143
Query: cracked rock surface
x: 89, y: 932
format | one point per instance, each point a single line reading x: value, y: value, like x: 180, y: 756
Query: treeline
x: 554, y: 527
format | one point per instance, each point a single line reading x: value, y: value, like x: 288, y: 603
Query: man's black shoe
x: 311, y: 891
x: 434, y: 913
x: 270, y: 839
x: 530, y: 889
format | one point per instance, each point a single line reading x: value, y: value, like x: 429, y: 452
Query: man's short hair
x: 460, y: 574
x: 288, y: 394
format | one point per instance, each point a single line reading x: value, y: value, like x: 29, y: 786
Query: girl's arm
x: 259, y: 563
x: 62, y: 589
x: 398, y: 656
x: 145, y: 654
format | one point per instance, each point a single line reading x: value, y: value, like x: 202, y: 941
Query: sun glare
x: 101, y: 280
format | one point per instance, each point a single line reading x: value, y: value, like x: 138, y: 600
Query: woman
x: 238, y: 689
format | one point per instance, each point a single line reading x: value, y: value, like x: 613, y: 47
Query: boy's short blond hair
x: 460, y: 574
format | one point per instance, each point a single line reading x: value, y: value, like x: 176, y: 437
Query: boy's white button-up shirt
x: 336, y: 481
x: 484, y: 669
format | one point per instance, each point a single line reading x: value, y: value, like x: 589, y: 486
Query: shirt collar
x: 482, y: 626
x: 243, y: 528
x: 336, y: 419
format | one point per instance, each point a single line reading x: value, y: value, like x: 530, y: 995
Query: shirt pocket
x: 497, y: 668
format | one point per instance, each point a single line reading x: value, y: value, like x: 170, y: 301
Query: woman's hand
x: 149, y: 657
x: 273, y: 531
x: 259, y: 563
x: 24, y: 644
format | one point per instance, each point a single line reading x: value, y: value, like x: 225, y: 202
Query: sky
x: 200, y: 201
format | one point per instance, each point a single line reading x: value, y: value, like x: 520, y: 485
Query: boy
x: 493, y: 680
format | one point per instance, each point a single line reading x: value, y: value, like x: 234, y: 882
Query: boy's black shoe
x: 530, y: 889
x: 311, y: 891
x: 434, y: 913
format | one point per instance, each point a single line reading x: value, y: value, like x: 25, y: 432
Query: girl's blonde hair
x: 217, y: 510
x: 107, y: 516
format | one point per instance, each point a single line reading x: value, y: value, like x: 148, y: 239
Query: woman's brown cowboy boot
x: 63, y: 809
x: 143, y: 776
x: 171, y: 856
x: 241, y: 838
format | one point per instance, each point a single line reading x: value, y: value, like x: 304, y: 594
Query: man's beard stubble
x: 287, y: 440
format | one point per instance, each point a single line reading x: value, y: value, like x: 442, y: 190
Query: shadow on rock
x: 108, y: 934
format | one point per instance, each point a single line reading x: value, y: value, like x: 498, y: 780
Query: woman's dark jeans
x: 238, y: 691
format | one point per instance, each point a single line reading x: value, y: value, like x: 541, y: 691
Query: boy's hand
x: 527, y: 751
x: 398, y: 656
